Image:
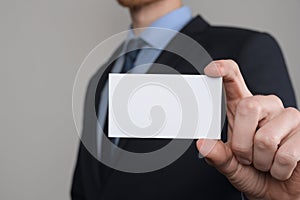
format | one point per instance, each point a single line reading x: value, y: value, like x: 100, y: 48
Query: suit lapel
x: 102, y: 75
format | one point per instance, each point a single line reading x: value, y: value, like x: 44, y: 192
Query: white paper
x: 135, y: 95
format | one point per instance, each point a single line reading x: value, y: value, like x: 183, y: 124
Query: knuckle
x: 279, y: 175
x: 234, y: 65
x: 239, y: 149
x: 262, y: 166
x: 276, y: 100
x: 294, y: 113
x: 248, y: 105
x: 232, y: 62
x: 287, y: 158
x: 264, y: 140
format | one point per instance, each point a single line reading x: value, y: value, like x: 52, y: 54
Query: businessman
x: 258, y: 155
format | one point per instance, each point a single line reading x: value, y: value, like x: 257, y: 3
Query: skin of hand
x: 261, y: 155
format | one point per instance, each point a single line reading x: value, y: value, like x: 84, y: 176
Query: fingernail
x: 200, y: 156
x: 212, y: 69
x: 200, y: 143
x: 207, y: 146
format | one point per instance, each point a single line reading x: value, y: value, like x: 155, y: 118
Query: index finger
x: 235, y: 86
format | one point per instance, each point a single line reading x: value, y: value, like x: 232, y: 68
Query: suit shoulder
x: 239, y: 35
x: 229, y: 41
x: 232, y: 31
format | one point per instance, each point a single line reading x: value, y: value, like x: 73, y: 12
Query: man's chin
x: 135, y: 3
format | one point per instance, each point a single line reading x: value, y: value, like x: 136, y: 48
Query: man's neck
x: 145, y: 15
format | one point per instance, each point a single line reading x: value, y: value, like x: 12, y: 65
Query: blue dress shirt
x: 155, y: 41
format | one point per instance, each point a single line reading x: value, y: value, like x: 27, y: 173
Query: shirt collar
x: 159, y: 38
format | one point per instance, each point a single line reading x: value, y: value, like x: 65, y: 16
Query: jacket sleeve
x: 77, y: 190
x: 86, y: 184
x: 264, y: 69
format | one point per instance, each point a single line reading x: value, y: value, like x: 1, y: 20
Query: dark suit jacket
x: 264, y: 70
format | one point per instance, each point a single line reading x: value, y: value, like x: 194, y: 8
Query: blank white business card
x: 162, y: 106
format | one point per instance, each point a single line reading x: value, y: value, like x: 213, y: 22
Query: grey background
x: 42, y: 44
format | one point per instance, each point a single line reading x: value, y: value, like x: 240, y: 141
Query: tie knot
x: 134, y: 44
x: 133, y: 48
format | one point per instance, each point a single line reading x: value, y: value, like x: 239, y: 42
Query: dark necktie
x: 133, y: 49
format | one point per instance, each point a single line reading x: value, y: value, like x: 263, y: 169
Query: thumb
x: 219, y: 155
x: 244, y: 178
